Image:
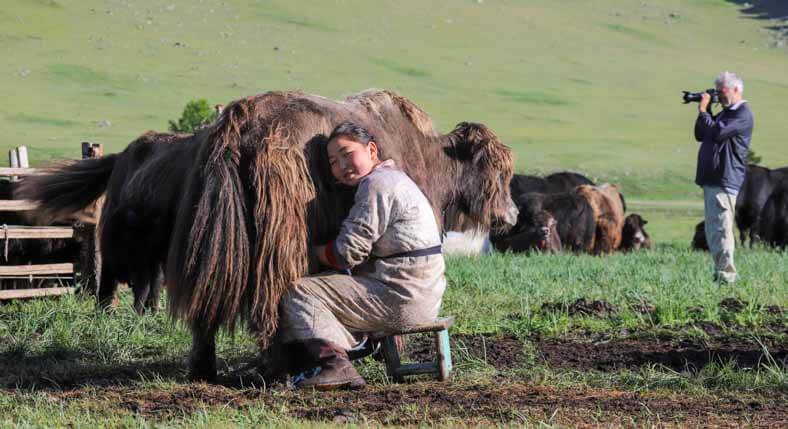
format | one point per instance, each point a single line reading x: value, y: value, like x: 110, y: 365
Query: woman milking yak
x: 390, y: 240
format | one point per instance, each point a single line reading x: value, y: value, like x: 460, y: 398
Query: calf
x: 756, y: 189
x: 634, y: 235
x: 773, y: 219
x: 533, y: 232
x: 573, y: 215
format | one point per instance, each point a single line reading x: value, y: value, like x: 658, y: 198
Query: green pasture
x: 50, y: 347
x: 588, y: 86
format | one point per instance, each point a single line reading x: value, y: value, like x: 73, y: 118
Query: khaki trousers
x: 719, y: 210
x: 333, y: 307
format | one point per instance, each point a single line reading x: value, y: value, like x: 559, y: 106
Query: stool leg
x: 391, y: 356
x: 444, y: 354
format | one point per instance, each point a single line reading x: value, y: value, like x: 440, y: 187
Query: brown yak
x: 142, y: 185
x: 260, y: 193
x: 608, y: 208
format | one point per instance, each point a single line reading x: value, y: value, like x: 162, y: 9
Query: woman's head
x: 352, y: 153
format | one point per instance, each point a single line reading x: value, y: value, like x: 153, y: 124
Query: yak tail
x: 67, y: 188
x: 240, y: 238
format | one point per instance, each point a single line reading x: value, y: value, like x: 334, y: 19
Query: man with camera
x: 722, y: 160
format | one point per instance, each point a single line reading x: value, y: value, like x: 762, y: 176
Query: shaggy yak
x: 634, y: 235
x: 260, y: 193
x: 756, y: 189
x: 773, y: 220
x: 608, y: 208
x: 699, y: 239
x: 574, y: 219
x: 563, y: 181
x: 142, y: 185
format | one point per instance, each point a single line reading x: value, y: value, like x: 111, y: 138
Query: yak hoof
x: 204, y: 370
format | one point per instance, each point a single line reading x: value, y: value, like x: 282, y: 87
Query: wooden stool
x: 441, y: 367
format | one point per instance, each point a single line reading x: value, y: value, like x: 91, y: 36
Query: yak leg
x: 141, y: 289
x: 202, y: 358
x: 152, y: 303
x: 108, y: 289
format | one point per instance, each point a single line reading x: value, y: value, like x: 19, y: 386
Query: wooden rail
x: 22, y: 271
x: 88, y: 262
x: 35, y: 232
x: 16, y: 205
x: 34, y: 293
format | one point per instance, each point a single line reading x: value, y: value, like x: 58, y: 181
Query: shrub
x: 196, y: 114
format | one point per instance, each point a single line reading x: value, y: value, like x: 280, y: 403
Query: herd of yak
x: 224, y: 217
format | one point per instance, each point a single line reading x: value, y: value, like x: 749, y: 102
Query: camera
x: 695, y: 96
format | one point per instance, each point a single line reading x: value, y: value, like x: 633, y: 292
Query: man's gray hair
x: 730, y: 80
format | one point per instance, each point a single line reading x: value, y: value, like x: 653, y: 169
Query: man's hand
x: 705, y: 99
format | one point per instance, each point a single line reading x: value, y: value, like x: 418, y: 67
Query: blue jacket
x: 725, y: 142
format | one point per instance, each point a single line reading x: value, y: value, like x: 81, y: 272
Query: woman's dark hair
x: 353, y: 132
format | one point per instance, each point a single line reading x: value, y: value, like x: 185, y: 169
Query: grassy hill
x: 590, y: 86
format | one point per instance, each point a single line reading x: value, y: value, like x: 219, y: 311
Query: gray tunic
x: 390, y: 215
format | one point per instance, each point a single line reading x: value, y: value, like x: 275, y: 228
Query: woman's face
x: 350, y: 160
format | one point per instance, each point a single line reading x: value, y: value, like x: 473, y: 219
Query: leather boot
x: 336, y: 370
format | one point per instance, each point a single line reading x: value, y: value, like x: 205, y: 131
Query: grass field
x: 642, y: 339
x: 663, y: 334
x: 590, y: 86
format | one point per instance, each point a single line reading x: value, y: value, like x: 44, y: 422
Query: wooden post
x: 13, y: 162
x: 86, y: 234
x: 87, y: 266
x: 21, y: 153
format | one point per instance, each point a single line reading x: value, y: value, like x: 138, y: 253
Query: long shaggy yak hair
x: 261, y: 192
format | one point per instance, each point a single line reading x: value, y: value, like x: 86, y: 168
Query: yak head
x: 481, y: 195
x: 633, y: 234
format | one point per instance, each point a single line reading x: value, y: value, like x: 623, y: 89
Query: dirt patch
x: 582, y: 307
x: 427, y: 402
x: 678, y: 355
x: 502, y: 352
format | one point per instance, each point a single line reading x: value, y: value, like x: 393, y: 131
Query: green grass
x: 588, y: 86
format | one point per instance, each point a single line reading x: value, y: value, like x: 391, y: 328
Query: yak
x: 608, y: 207
x: 633, y: 234
x: 555, y: 183
x: 533, y: 232
x: 773, y: 219
x: 699, y: 238
x: 575, y: 223
x: 260, y: 193
x: 756, y: 189
x: 141, y: 187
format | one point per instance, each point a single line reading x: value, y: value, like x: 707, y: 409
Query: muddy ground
x: 501, y: 401
x: 503, y: 398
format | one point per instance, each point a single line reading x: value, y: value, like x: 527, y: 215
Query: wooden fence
x: 83, y: 270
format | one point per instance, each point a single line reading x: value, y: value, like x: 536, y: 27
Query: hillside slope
x: 591, y: 86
